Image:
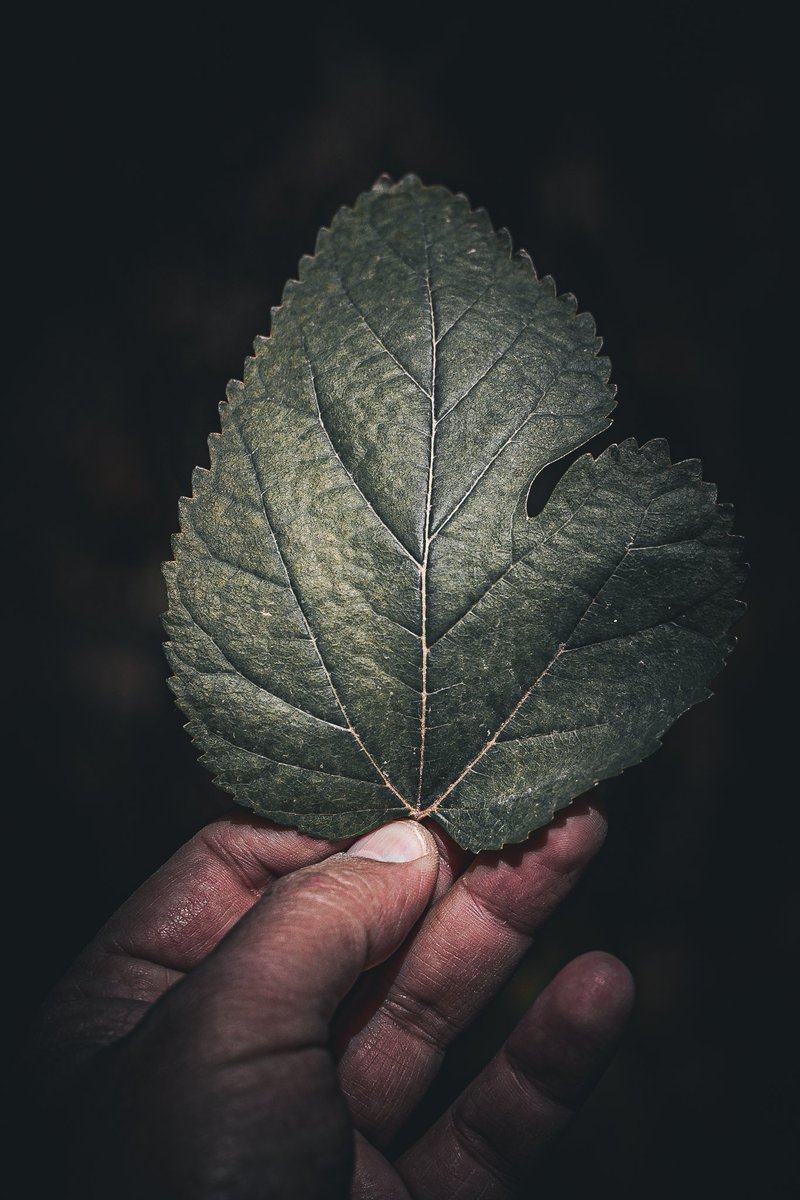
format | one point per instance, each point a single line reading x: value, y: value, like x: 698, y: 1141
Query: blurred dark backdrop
x: 166, y: 175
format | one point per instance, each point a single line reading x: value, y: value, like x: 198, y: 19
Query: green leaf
x: 364, y: 623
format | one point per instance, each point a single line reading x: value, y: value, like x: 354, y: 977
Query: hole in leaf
x: 544, y: 483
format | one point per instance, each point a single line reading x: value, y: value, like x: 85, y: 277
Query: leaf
x: 364, y: 623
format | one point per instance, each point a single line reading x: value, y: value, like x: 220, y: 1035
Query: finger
x: 466, y: 948
x: 166, y: 928
x: 453, y: 861
x: 486, y: 1143
x: 367, y: 995
x: 374, y: 1177
x: 275, y: 982
x: 183, y: 911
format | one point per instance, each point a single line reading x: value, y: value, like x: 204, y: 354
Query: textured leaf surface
x: 364, y: 623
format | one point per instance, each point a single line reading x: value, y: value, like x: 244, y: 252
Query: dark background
x: 167, y: 174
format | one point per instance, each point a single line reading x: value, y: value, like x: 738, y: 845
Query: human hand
x: 192, y: 1049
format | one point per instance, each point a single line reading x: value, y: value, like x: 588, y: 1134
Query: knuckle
x: 514, y: 909
x: 478, y: 1147
x: 533, y: 1090
x: 238, y: 847
x: 422, y: 1018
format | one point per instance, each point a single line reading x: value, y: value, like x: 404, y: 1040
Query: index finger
x: 179, y: 915
x: 466, y: 947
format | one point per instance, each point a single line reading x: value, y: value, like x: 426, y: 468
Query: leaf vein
x: 359, y: 313
x: 212, y: 556
x: 294, y: 766
x: 424, y: 648
x: 344, y: 467
x: 552, y: 382
x: 350, y: 727
x: 235, y: 669
x: 473, y: 303
x: 494, y: 363
x: 530, y: 737
x: 513, y: 566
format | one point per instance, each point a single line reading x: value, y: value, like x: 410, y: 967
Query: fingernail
x: 402, y: 841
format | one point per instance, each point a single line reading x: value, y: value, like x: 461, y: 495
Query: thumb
x: 227, y: 1086
x: 275, y: 982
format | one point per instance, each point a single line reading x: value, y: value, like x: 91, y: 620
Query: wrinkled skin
x: 219, y: 1036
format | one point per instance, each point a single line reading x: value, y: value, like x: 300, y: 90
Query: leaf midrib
x: 424, y: 647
